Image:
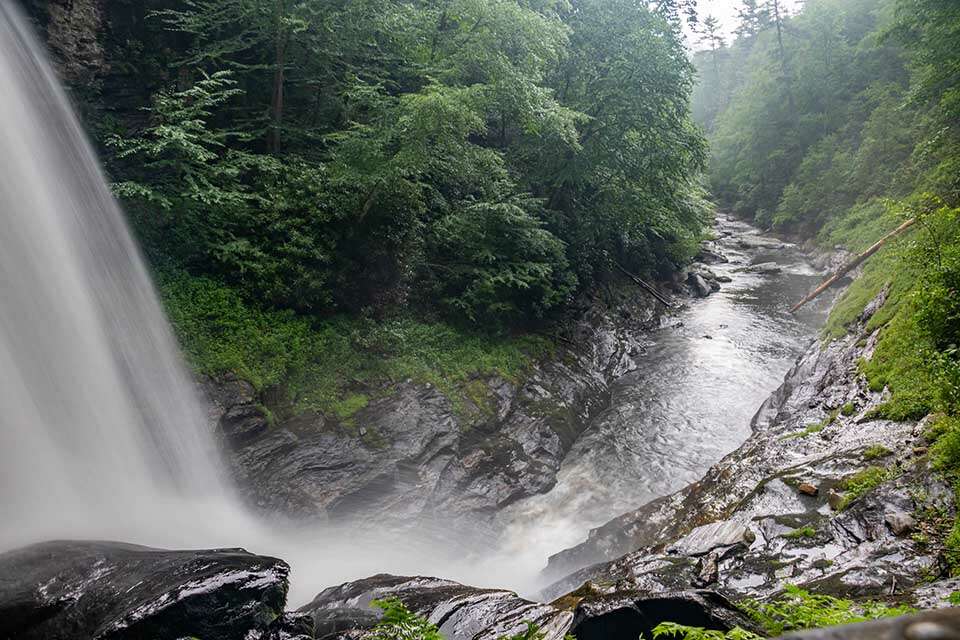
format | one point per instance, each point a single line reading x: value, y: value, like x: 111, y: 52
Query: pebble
x: 808, y: 489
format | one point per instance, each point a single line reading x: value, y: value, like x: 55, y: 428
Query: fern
x: 800, y: 609
x: 683, y: 632
x: 399, y: 623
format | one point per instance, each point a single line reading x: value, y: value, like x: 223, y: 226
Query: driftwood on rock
x: 853, y: 264
x: 646, y: 287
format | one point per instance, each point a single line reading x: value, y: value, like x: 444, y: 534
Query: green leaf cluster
x: 799, y: 609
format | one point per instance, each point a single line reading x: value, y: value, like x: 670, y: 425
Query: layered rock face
x: 110, y: 590
x: 779, y: 510
x: 459, y: 611
x: 413, y: 454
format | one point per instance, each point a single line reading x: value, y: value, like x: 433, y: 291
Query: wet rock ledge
x: 66, y: 590
x: 114, y: 591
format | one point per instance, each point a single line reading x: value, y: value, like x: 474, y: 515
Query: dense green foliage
x: 798, y: 609
x: 482, y: 161
x: 859, y: 115
x: 332, y: 364
x: 339, y: 195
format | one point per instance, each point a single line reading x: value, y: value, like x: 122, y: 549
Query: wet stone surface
x: 111, y: 590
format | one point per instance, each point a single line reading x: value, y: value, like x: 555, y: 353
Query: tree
x: 711, y: 35
x: 754, y: 18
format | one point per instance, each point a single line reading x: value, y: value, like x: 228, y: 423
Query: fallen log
x: 853, y: 264
x: 646, y: 287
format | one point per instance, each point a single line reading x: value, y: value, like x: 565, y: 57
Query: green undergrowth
x: 794, y: 610
x: 335, y: 365
x: 918, y: 321
x: 944, y: 432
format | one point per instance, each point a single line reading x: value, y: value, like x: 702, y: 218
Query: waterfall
x: 100, y: 429
x: 101, y: 432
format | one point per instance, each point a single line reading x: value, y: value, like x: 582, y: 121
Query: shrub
x: 399, y: 623
x: 798, y: 609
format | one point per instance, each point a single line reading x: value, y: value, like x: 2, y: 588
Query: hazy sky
x: 726, y: 12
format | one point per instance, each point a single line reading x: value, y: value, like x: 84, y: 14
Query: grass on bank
x: 794, y: 610
x: 331, y: 365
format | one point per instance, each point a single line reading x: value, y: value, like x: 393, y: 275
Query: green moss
x: 954, y: 598
x: 863, y: 482
x: 347, y: 406
x: 848, y: 409
x: 876, y: 451
x: 802, y: 532
x: 816, y: 427
x: 333, y: 365
x: 481, y: 397
x: 268, y: 415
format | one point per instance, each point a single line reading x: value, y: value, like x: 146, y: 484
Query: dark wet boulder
x: 699, y: 285
x: 115, y: 591
x: 459, y: 611
x: 628, y: 616
x: 289, y: 626
x: 711, y: 253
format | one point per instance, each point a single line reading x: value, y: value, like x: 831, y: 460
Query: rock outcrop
x: 66, y: 590
x: 412, y: 452
x: 468, y: 613
x: 459, y: 611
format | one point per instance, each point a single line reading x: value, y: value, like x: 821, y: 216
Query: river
x: 704, y: 374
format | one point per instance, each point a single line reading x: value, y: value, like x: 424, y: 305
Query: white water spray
x: 98, y: 421
x: 101, y: 432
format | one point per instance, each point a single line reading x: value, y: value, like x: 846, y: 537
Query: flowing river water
x: 703, y: 376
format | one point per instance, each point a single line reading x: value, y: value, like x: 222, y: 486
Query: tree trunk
x: 853, y: 264
x: 276, y: 102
